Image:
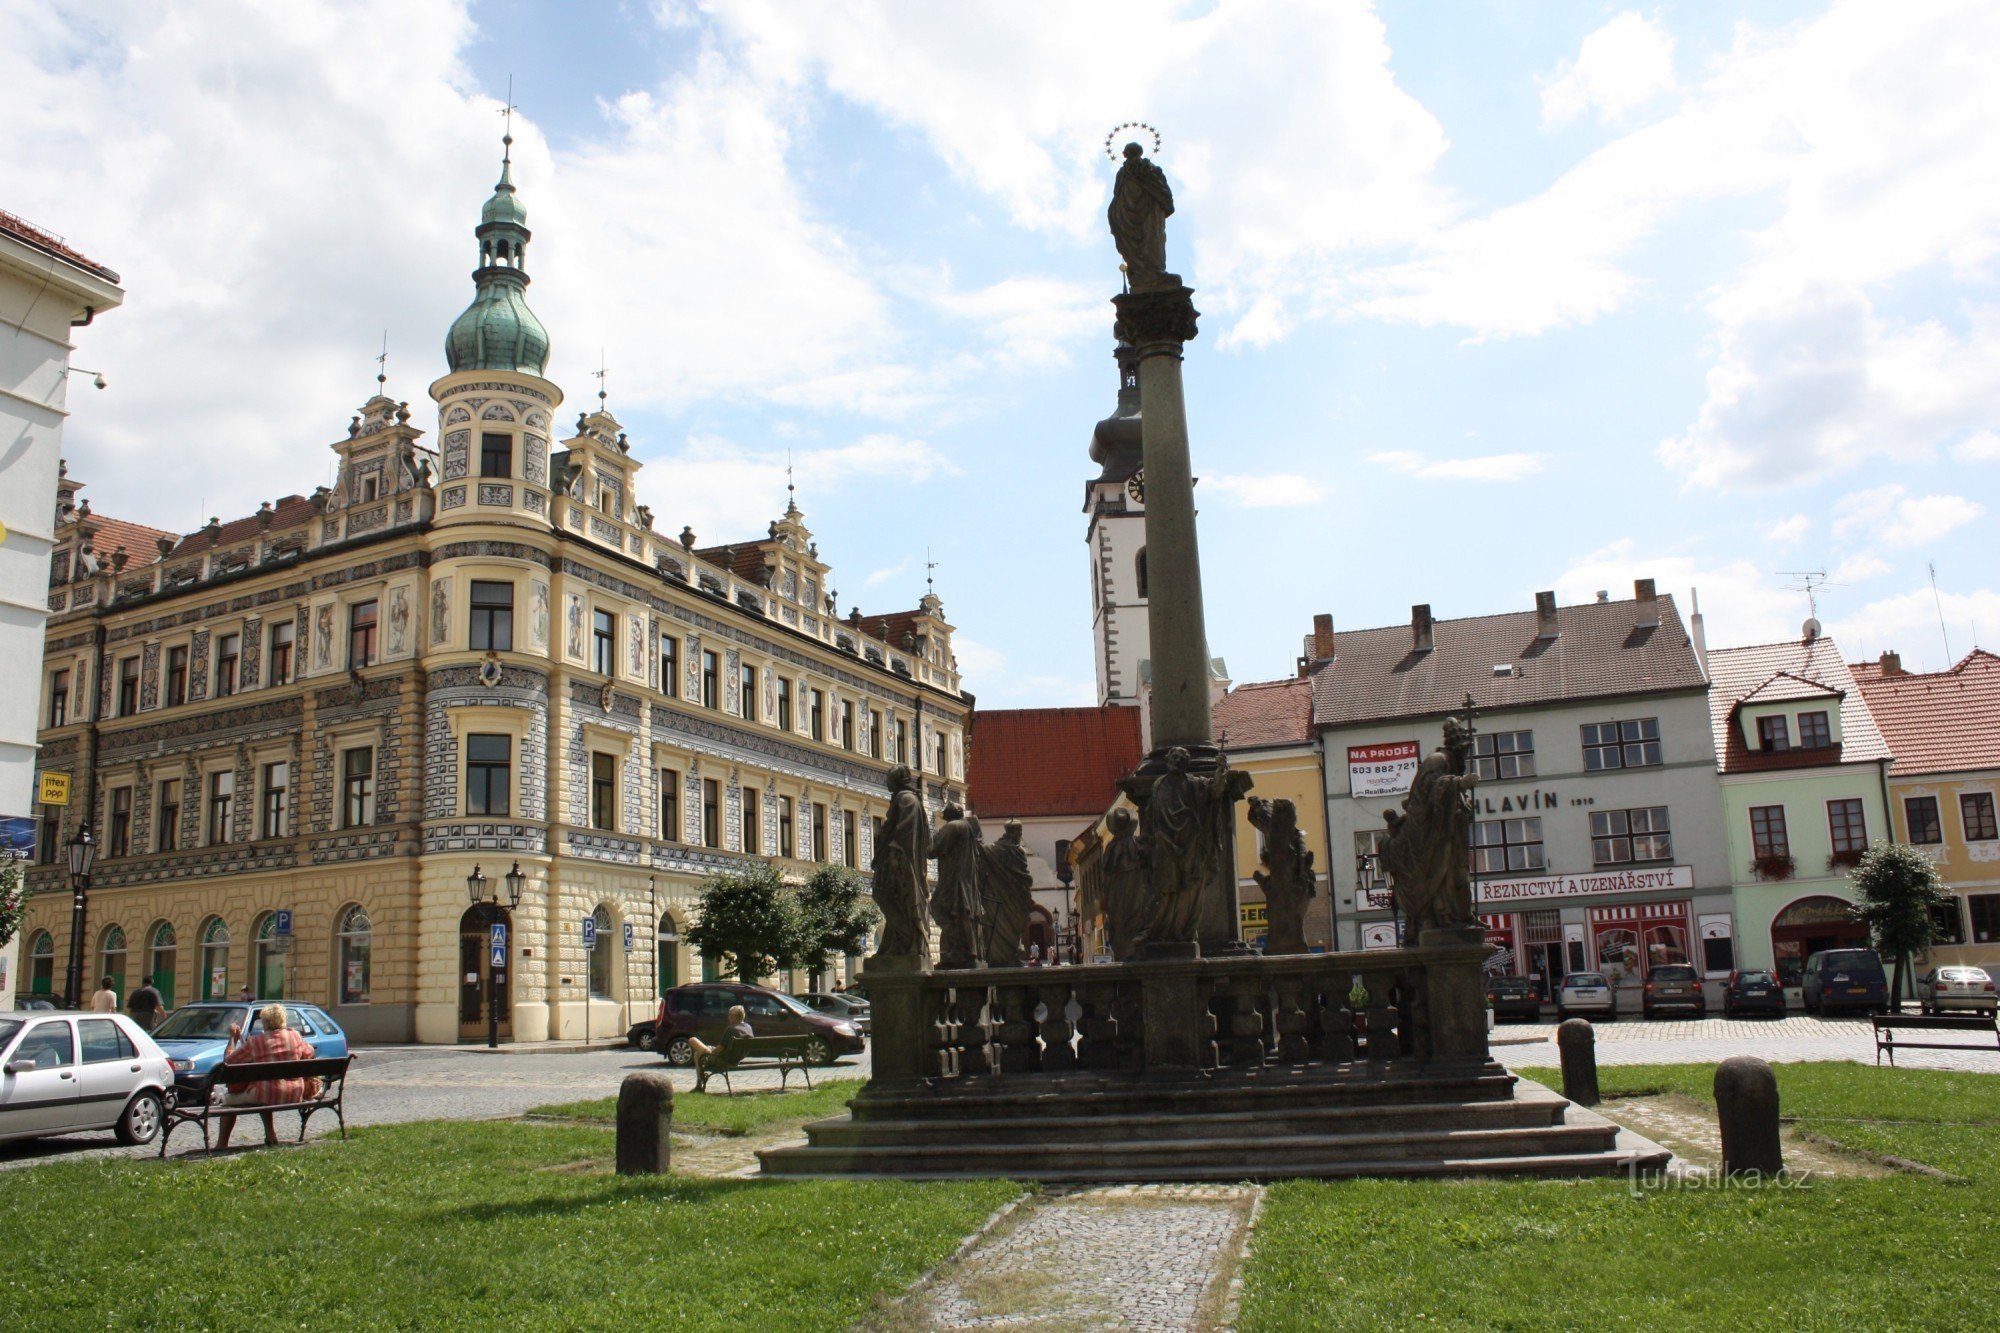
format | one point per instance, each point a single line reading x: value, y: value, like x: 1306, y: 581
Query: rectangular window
x: 943, y: 742
x: 1950, y: 923
x: 221, y: 802
x: 49, y: 845
x: 711, y: 813
x: 819, y: 832
x: 670, y: 805
x: 228, y: 652
x: 604, y: 643
x: 119, y: 841
x: 816, y: 715
x: 128, y: 686
x: 361, y: 634
x: 281, y: 653
x: 177, y: 676
x: 847, y: 838
x: 1846, y: 828
x: 1634, y: 744
x: 1984, y: 909
x: 1502, y: 846
x: 604, y: 791
x: 357, y: 787
x: 1815, y: 731
x: 496, y: 455
x: 902, y: 741
x: 787, y: 832
x: 489, y: 775
x: 784, y: 704
x: 847, y: 724
x: 1920, y: 814
x: 1975, y: 809
x: 1501, y: 755
x: 711, y: 671
x: 746, y: 692
x: 753, y: 830
x: 1767, y: 832
x: 58, y: 698
x: 1773, y: 734
x: 1619, y: 836
x: 167, y: 824
x: 670, y: 666
x: 874, y: 734
x: 277, y: 788
x: 492, y: 616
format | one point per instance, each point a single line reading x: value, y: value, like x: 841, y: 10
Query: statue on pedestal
x: 1427, y: 852
x: 1287, y: 876
x: 955, y: 905
x: 901, y: 873
x: 1188, y: 822
x: 1141, y: 203
x: 1006, y: 895
x: 1122, y: 871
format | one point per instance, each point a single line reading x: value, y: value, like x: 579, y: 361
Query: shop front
x: 1809, y: 925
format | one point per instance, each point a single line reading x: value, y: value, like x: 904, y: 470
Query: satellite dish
x: 1810, y: 629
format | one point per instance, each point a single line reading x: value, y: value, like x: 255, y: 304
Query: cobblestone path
x: 1150, y: 1257
x: 1637, y: 1041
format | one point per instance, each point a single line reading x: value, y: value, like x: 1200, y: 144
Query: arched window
x: 667, y: 953
x: 160, y: 961
x: 600, y: 957
x: 270, y: 957
x: 215, y: 960
x: 355, y: 934
x: 42, y: 964
x: 1139, y: 568
x: 111, y: 958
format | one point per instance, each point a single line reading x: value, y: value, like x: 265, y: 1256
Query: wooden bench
x: 198, y: 1097
x: 1888, y: 1025
x: 781, y: 1053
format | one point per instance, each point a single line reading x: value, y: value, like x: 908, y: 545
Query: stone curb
x: 930, y: 1277
x: 1232, y: 1302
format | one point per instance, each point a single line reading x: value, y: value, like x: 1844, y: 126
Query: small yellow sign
x: 54, y: 789
x: 1256, y: 917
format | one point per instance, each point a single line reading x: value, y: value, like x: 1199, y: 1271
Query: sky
x: 1497, y: 297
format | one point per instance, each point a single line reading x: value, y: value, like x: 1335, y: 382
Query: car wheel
x: 680, y: 1052
x: 817, y: 1052
x: 141, y: 1121
x: 644, y: 1041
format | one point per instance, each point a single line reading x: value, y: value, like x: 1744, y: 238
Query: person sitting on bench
x: 727, y: 1051
x: 275, y: 1042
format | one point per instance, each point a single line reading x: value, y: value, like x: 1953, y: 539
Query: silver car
x: 1956, y: 987
x: 63, y: 1073
x: 1586, y: 993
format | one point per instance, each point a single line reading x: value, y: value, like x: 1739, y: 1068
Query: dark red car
x: 702, y: 1010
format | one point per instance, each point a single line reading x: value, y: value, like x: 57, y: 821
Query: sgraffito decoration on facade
x: 573, y: 619
x: 538, y: 616
x: 399, y: 621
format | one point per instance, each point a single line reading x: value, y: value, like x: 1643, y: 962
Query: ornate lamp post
x: 82, y: 854
x: 476, y: 889
x: 1365, y: 865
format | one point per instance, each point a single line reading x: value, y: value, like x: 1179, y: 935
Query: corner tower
x: 1115, y: 500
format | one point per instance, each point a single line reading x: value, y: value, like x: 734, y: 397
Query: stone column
x: 1455, y: 995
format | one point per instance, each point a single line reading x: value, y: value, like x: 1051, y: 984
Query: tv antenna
x: 1938, y: 602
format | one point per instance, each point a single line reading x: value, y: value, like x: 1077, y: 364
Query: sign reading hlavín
x: 1382, y: 770
x: 1584, y: 886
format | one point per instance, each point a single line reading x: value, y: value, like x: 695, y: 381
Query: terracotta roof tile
x: 1275, y: 712
x: 109, y: 535
x: 289, y: 512
x: 1738, y: 673
x: 28, y: 233
x: 1786, y: 686
x: 743, y: 559
x: 1033, y: 762
x: 1940, y: 721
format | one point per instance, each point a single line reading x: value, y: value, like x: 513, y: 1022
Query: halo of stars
x: 1110, y: 139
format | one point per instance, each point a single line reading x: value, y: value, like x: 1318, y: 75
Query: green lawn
x: 1839, y: 1253
x: 724, y: 1113
x: 459, y: 1225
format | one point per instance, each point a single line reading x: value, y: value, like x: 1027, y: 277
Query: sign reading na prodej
x: 1382, y: 770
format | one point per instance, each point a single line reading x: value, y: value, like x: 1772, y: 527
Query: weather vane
x: 382, y: 366
x: 930, y: 572
x: 598, y: 375
x: 1111, y: 149
x: 507, y: 115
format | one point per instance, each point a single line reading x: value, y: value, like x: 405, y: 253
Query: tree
x: 13, y: 898
x: 836, y: 912
x: 1900, y: 895
x: 752, y: 918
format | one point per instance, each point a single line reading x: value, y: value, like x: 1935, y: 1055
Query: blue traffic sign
x: 499, y: 956
x: 498, y: 934
x: 283, y: 921
x: 628, y: 937
x: 590, y: 932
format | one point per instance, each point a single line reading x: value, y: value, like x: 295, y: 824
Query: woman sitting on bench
x: 725, y: 1054
x: 275, y: 1042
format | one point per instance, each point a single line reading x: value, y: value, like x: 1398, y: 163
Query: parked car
x: 1513, y: 997
x: 702, y: 1010
x: 1754, y: 991
x: 839, y: 1005
x: 61, y: 1073
x: 40, y: 1004
x: 1956, y: 987
x: 1674, y: 986
x: 640, y: 1035
x: 1586, y: 993
x: 195, y: 1036
x: 1844, y: 979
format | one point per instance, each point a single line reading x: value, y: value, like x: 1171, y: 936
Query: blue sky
x: 1498, y: 296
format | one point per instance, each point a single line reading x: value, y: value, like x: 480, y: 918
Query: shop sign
x: 1382, y: 770
x: 1662, y: 880
x: 1377, y: 900
x: 1256, y: 917
x: 17, y: 837
x: 53, y: 789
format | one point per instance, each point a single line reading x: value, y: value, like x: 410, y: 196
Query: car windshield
x: 199, y: 1023
x: 1585, y: 979
x: 8, y: 1027
x: 1673, y: 974
x: 1755, y: 978
x: 788, y: 1002
x: 1511, y: 984
x: 1853, y: 960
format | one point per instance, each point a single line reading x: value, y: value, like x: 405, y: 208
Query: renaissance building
x: 296, y: 736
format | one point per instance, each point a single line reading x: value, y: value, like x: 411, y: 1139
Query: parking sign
x: 628, y: 937
x: 282, y: 925
x: 590, y: 932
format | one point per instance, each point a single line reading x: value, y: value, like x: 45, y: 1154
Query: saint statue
x: 955, y: 905
x: 1006, y: 894
x: 1286, y: 876
x: 900, y: 889
x: 1427, y: 856
x: 1188, y: 823
x: 1141, y: 203
x: 1122, y: 871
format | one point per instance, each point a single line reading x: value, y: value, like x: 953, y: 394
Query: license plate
x: 1857, y: 990
x: 1757, y: 991
x: 1840, y: 976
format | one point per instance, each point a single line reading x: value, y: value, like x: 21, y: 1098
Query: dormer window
x: 369, y: 486
x: 496, y: 455
x: 1814, y: 731
x: 607, y: 503
x: 1773, y: 734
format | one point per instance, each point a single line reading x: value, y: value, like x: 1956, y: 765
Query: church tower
x: 1115, y: 500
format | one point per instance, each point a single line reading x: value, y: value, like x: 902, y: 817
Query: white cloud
x: 1740, y: 600
x: 985, y: 672
x: 1983, y: 447
x: 1486, y: 467
x: 1788, y: 531
x: 876, y: 578
x: 1030, y: 322
x: 1628, y: 61
x: 1270, y: 490
x: 1908, y: 623
x: 1859, y: 569
x: 1889, y: 515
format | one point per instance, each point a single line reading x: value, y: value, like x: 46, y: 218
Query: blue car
x: 195, y: 1035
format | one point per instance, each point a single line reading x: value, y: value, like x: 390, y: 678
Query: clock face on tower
x: 1136, y: 487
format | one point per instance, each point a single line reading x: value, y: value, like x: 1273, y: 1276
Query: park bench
x: 1888, y: 1025
x: 198, y: 1097
x: 781, y: 1053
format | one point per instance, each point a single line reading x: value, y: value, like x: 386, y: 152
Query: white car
x: 63, y: 1073
x: 1944, y: 988
x: 1586, y: 993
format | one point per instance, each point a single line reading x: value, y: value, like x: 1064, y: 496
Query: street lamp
x: 82, y: 853
x: 476, y: 889
x: 1366, y: 864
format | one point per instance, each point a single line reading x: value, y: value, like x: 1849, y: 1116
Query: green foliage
x: 836, y: 912
x: 1900, y: 891
x: 14, y: 895
x: 749, y: 917
x: 728, y: 1114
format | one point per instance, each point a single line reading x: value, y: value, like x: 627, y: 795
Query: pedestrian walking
x: 105, y: 1000
x: 145, y: 1004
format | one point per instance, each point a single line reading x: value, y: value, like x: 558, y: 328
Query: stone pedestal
x: 901, y: 1031
x: 1746, y: 1105
x: 645, y: 1122
x: 1577, y: 1041
x: 1177, y: 1023
x: 1455, y: 992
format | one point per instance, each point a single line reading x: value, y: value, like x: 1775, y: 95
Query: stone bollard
x: 1577, y: 1041
x: 1746, y: 1102
x: 645, y: 1117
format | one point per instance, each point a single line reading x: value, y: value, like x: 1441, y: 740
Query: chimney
x: 1892, y: 663
x: 1697, y: 633
x: 1420, y: 628
x: 1545, y: 616
x: 1649, y: 602
x: 1322, y: 638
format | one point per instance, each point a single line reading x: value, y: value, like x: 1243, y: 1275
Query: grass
x: 1847, y: 1252
x: 444, y: 1224
x: 723, y: 1113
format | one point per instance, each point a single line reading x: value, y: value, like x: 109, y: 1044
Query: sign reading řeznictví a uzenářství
x: 1657, y: 880
x: 1382, y: 770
